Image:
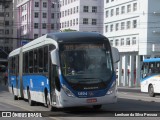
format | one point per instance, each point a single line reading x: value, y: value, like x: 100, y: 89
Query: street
x: 130, y: 100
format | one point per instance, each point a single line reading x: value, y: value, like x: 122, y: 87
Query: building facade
x: 82, y: 15
x: 6, y: 29
x: 36, y: 18
x: 133, y: 27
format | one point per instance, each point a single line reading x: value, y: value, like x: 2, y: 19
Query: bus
x: 150, y: 76
x: 53, y: 69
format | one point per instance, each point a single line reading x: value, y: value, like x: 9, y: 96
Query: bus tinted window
x: 35, y: 61
x: 31, y: 62
x: 40, y: 50
x: 46, y: 59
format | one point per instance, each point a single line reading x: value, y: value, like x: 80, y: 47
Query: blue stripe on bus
x: 143, y: 79
x: 152, y: 60
x: 39, y: 82
x: 34, y: 82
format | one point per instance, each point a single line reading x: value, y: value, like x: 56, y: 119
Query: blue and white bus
x: 150, y: 76
x: 53, y: 69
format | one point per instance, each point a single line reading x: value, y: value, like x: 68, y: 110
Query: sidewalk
x: 128, y: 89
x: 3, y: 87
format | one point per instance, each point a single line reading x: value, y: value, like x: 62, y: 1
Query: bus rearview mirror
x: 115, y: 55
x: 54, y: 57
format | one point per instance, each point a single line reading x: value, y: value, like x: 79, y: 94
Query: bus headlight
x: 67, y: 91
x: 111, y: 90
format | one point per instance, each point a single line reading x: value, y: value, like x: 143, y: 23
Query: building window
x: 94, y: 21
x: 134, y: 23
x: 128, y: 8
x: 112, y: 12
x: 52, y: 15
x: 134, y: 6
x: 122, y: 25
x: 35, y: 25
x: 106, y: 28
x: 111, y: 28
x: 44, y: 15
x: 85, y: 9
x: 74, y: 22
x: 52, y: 26
x: 127, y: 41
x: 36, y: 4
x: 77, y: 9
x: 45, y: 4
x: 53, y: 6
x: 77, y: 21
x: 128, y: 24
x: 94, y: 9
x: 122, y: 9
x: 43, y: 25
x: 85, y: 20
x: 7, y: 32
x: 111, y: 42
x: 107, y: 12
x: 133, y: 40
x: 35, y: 36
x: 117, y: 11
x: 117, y: 26
x: 116, y: 42
x: 7, y: 23
x: 36, y: 14
x: 122, y: 41
x: 74, y: 10
x: 107, y: 1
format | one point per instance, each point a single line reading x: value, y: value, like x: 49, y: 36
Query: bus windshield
x: 86, y: 65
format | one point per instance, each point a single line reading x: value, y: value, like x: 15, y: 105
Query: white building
x: 133, y: 26
x: 82, y: 15
x: 36, y: 18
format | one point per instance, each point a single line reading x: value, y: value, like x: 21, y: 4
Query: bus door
x: 52, y: 69
x: 17, y: 74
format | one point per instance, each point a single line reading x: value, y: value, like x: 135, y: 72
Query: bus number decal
x: 82, y: 93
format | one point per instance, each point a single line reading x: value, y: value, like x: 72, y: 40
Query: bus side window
x: 30, y: 61
x: 40, y: 56
x: 45, y: 59
x: 35, y: 61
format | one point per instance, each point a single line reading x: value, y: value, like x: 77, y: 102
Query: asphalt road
x: 129, y: 101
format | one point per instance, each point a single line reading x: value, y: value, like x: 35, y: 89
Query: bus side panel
x: 151, y: 80
x: 36, y: 85
x: 13, y: 85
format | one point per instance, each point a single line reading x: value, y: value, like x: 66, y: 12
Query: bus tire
x: 31, y: 102
x: 151, y: 91
x: 14, y: 96
x: 97, y: 107
x: 49, y: 105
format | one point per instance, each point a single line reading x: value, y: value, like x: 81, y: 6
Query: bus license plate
x: 93, y: 100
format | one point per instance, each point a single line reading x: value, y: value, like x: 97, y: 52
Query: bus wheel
x: 49, y: 105
x: 31, y: 102
x: 151, y: 91
x: 97, y: 107
x: 14, y: 96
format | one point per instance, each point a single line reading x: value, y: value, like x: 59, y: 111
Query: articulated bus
x: 54, y: 70
x: 150, y: 76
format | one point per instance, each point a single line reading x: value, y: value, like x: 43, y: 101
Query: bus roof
x: 76, y: 37
x: 152, y: 60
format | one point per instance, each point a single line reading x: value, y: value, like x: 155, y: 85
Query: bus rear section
x: 150, y: 76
